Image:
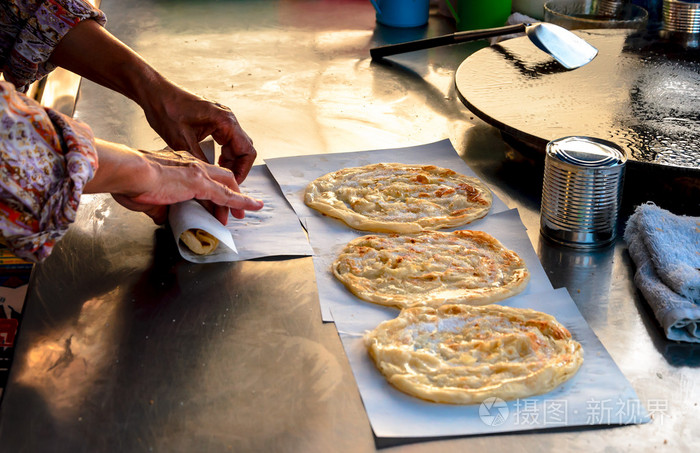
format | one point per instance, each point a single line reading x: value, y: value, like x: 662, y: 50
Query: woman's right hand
x: 180, y: 117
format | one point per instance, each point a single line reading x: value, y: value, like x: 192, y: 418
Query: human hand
x: 149, y: 182
x: 184, y: 119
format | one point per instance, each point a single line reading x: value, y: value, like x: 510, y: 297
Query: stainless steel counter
x: 124, y: 346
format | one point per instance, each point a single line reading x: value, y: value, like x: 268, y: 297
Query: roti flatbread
x: 199, y: 241
x: 399, y: 198
x: 461, y: 354
x: 430, y: 269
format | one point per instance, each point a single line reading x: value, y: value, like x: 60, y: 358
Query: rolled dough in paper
x: 199, y: 241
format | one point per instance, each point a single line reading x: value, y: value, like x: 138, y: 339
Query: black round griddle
x: 640, y: 92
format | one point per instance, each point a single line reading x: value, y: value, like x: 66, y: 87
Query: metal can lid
x: 586, y: 152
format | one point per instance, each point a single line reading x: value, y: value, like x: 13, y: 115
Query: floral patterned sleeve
x: 46, y: 159
x: 29, y: 32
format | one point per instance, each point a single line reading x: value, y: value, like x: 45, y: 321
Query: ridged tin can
x: 582, y: 191
x: 681, y: 22
x: 681, y: 16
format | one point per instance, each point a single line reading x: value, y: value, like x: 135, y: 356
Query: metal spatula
x: 567, y: 48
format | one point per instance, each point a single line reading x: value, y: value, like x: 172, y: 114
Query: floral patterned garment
x: 29, y: 32
x: 45, y: 160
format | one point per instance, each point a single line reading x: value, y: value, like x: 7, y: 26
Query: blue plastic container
x: 402, y: 13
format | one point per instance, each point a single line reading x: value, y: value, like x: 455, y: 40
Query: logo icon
x: 493, y: 411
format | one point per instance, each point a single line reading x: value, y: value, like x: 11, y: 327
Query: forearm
x: 92, y: 52
x: 122, y: 170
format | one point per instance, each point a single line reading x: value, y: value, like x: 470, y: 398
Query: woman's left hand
x: 149, y: 182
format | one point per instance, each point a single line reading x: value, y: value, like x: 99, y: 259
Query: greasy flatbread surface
x: 461, y: 354
x: 430, y: 269
x: 399, y: 198
x: 199, y: 241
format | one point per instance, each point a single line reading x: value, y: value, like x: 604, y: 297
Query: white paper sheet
x: 293, y: 174
x: 329, y: 237
x: 273, y: 231
x: 598, y: 394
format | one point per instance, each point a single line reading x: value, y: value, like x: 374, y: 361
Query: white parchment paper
x: 329, y: 237
x: 293, y: 174
x: 273, y: 231
x: 598, y: 394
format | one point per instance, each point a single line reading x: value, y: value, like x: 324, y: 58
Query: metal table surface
x: 125, y: 346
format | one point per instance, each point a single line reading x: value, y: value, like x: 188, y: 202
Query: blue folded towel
x: 666, y: 250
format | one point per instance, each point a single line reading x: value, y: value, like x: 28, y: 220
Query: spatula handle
x: 463, y: 36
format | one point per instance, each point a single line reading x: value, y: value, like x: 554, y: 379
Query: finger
x: 241, y: 166
x: 225, y: 177
x: 221, y: 214
x: 221, y: 188
x: 238, y: 156
x: 237, y: 151
x: 159, y: 214
x: 238, y: 213
x: 236, y: 201
x: 194, y: 148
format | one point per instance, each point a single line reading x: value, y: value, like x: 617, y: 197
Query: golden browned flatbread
x: 461, y: 354
x: 430, y: 269
x: 399, y: 198
x: 199, y: 241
